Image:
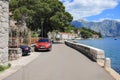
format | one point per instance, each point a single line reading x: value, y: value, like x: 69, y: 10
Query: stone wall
x: 4, y: 31
x: 93, y: 53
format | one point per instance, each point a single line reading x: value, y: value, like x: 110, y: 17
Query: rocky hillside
x: 105, y: 27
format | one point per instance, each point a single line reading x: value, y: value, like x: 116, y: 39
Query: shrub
x: 2, y: 68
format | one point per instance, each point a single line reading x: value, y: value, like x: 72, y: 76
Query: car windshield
x: 43, y: 40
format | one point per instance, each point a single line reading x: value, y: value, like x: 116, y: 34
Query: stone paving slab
x: 18, y: 64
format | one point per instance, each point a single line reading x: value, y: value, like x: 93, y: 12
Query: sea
x: 111, y: 46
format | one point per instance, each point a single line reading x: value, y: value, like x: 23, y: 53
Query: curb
x: 18, y: 64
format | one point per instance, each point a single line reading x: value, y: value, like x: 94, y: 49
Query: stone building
x: 4, y: 29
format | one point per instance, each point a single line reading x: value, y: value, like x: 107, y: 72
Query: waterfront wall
x: 4, y: 23
x: 93, y: 53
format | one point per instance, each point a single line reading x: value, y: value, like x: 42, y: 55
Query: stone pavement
x: 18, y: 64
x: 62, y: 63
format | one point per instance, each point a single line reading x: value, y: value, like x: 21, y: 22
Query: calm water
x: 111, y: 48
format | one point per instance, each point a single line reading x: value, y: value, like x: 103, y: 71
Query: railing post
x: 107, y: 63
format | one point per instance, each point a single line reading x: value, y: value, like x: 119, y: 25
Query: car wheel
x: 24, y: 53
x: 50, y: 49
x: 36, y: 50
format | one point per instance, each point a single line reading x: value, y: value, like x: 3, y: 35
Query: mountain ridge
x: 105, y: 27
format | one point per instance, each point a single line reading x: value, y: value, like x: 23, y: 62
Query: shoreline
x: 85, y: 48
x: 110, y: 51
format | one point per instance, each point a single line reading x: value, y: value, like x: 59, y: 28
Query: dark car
x: 43, y: 44
x: 25, y: 50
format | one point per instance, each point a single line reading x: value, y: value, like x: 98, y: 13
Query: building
x: 65, y: 36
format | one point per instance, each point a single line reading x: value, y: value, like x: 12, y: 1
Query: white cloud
x: 84, y: 8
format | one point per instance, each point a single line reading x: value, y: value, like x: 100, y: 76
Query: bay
x: 111, y: 46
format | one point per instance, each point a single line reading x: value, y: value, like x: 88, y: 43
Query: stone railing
x: 91, y: 52
x: 94, y: 54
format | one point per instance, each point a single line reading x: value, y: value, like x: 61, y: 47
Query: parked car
x: 43, y: 44
x: 25, y: 50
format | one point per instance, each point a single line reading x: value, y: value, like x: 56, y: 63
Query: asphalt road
x: 62, y: 63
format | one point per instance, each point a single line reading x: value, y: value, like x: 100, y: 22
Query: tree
x: 85, y: 34
x: 46, y: 15
x: 21, y: 9
x: 88, y: 33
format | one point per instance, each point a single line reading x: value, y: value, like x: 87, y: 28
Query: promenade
x: 62, y: 63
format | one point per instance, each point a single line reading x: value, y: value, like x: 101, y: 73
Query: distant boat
x: 115, y: 39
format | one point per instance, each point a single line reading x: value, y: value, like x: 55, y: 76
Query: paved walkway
x: 62, y: 63
x: 18, y: 64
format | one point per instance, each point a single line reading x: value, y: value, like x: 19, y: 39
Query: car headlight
x: 26, y: 48
x: 36, y: 45
x: 49, y: 45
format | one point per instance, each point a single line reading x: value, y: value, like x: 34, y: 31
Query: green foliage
x: 2, y: 68
x: 70, y: 29
x: 88, y: 33
x: 85, y: 34
x: 17, y: 15
x: 34, y: 34
x: 47, y: 15
x: 13, y: 4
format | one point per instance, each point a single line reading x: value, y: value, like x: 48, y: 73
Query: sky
x: 93, y: 10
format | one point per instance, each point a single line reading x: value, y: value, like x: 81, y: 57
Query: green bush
x: 2, y: 68
x: 9, y: 65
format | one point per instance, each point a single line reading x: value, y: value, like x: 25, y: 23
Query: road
x: 62, y: 63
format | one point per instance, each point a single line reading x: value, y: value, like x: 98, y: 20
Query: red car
x: 43, y: 44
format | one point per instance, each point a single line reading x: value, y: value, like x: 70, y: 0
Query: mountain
x: 106, y: 27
